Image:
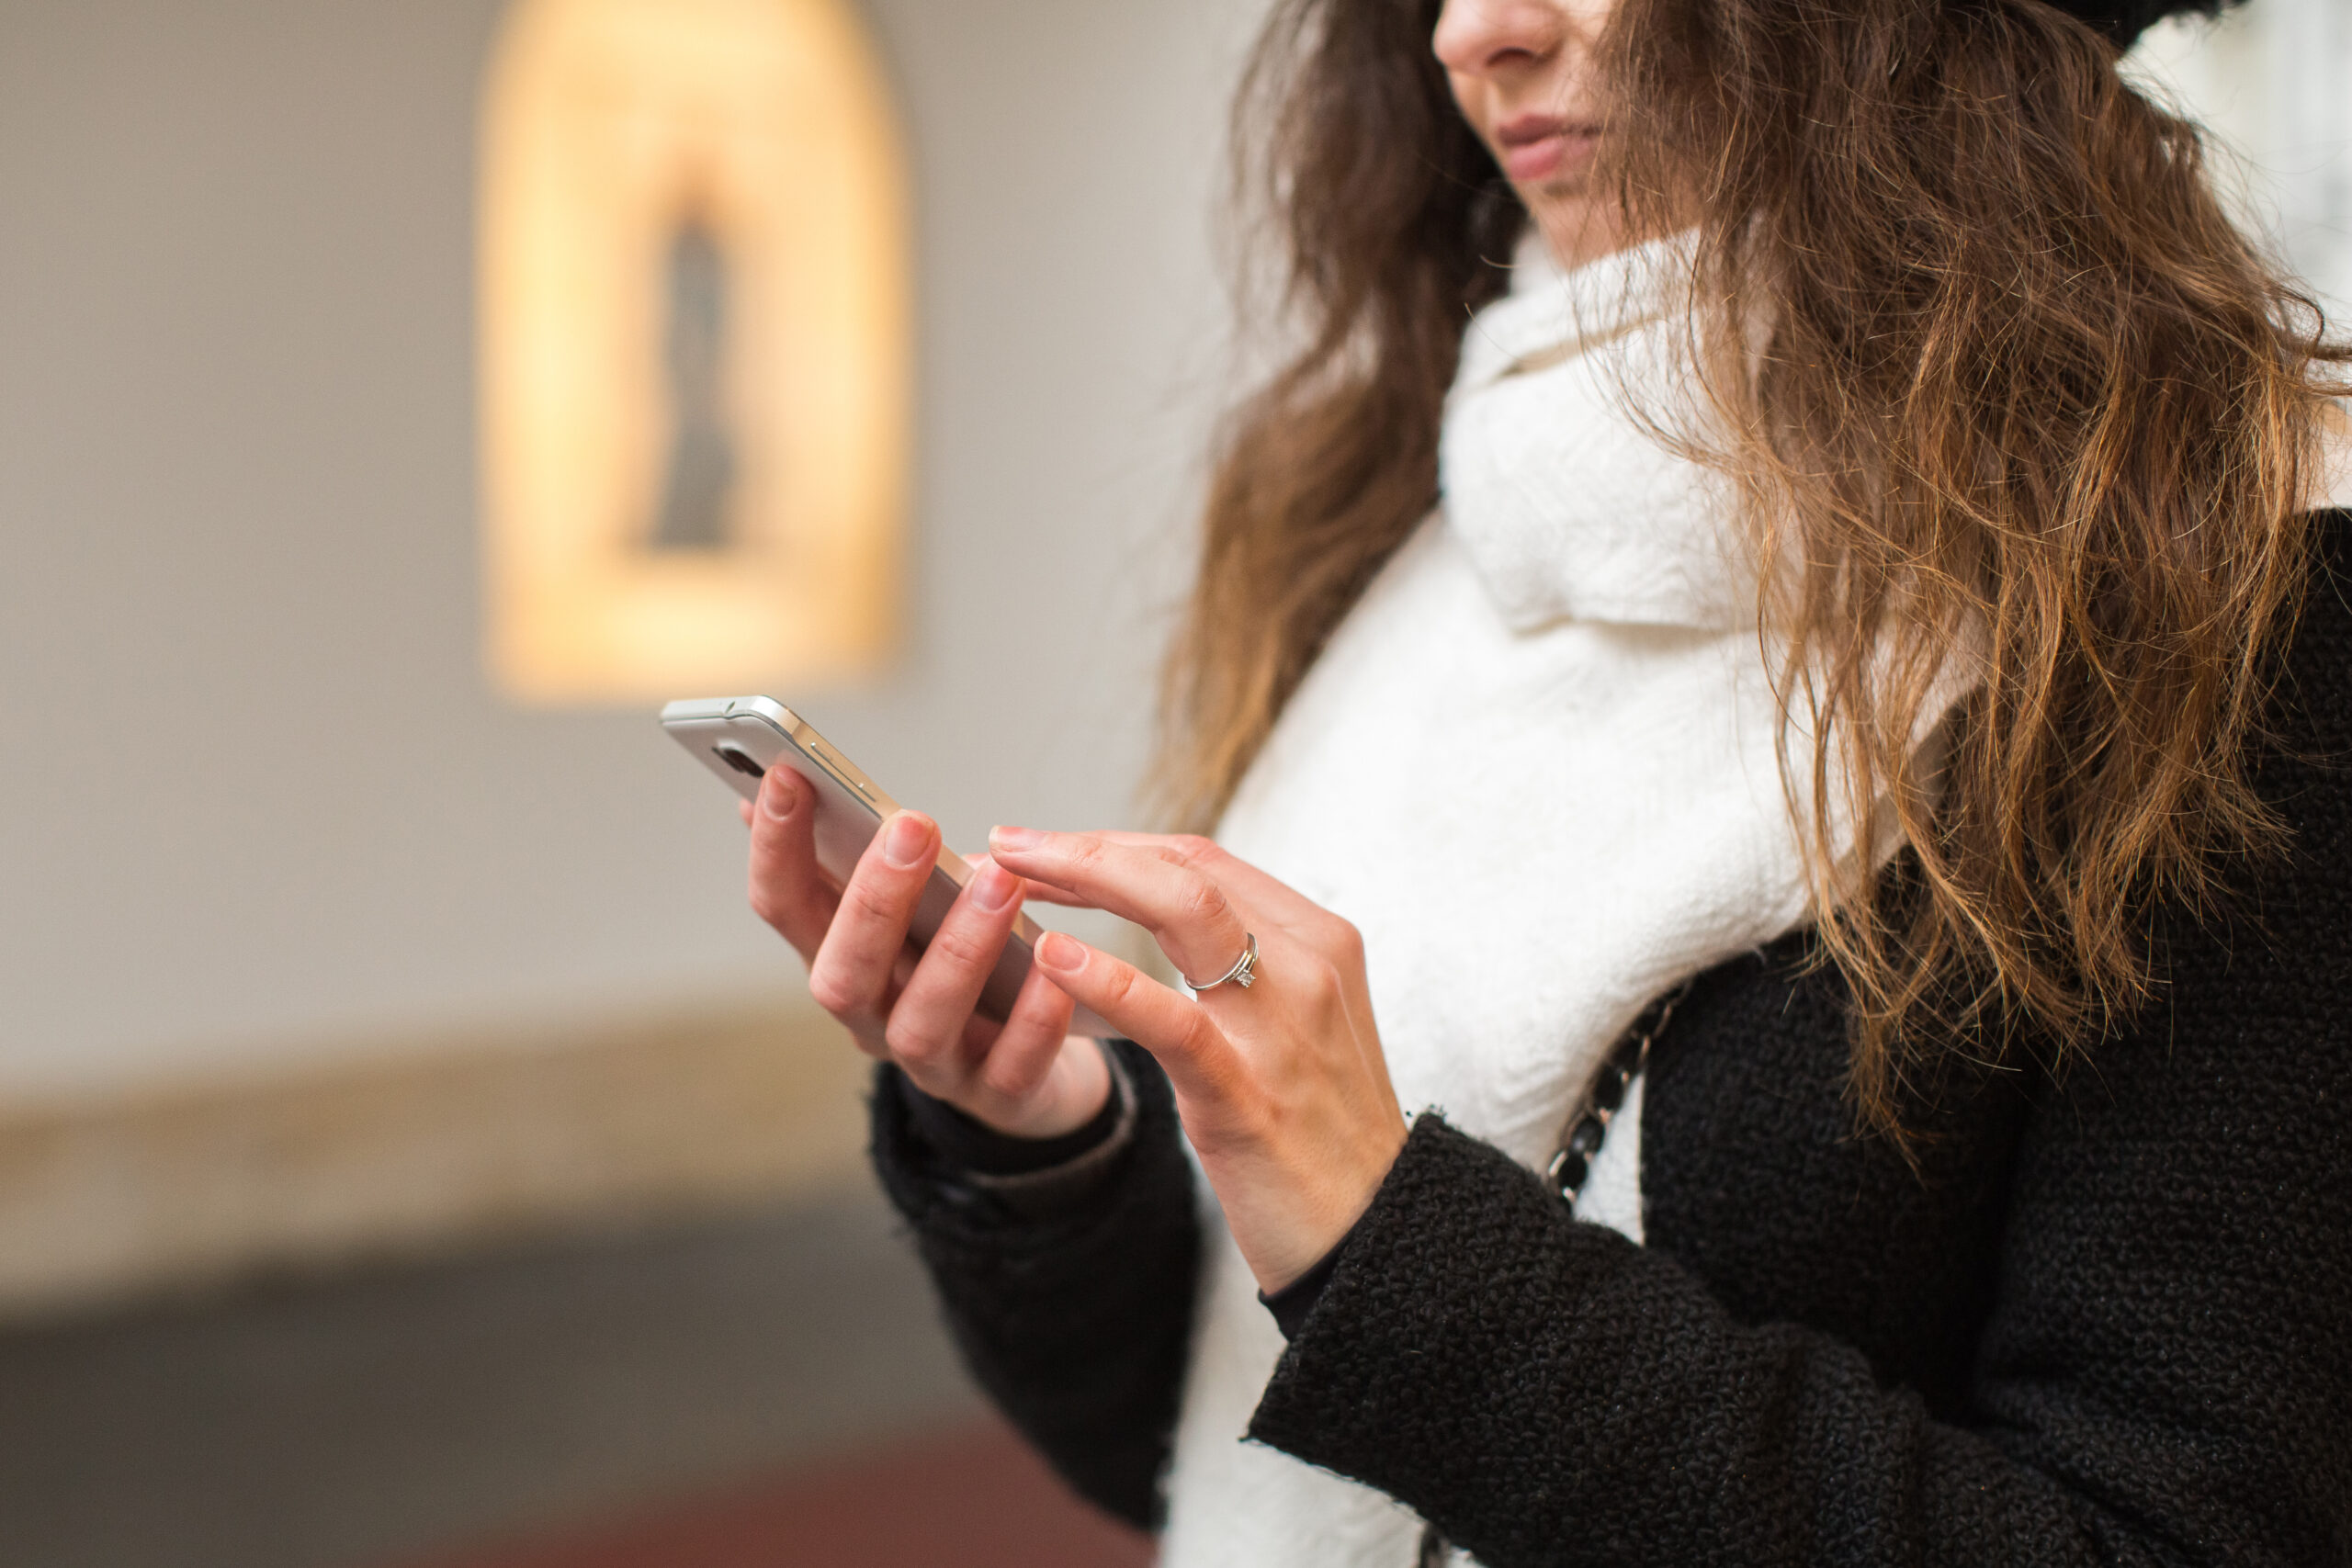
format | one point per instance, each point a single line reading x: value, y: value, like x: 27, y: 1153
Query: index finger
x: 1196, y: 925
x: 1261, y: 890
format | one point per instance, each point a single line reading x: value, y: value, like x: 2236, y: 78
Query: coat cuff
x: 1035, y: 1178
x: 1463, y: 1272
x: 936, y: 1189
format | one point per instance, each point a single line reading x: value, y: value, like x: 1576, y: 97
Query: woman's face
x: 1523, y: 71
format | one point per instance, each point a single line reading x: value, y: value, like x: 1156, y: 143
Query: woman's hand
x: 1028, y: 1076
x: 1282, y: 1085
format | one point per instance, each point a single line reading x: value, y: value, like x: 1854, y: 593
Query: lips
x: 1535, y: 147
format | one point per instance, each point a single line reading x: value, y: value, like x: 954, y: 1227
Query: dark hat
x: 2124, y: 20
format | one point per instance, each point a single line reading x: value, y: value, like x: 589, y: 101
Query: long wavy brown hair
x: 1988, y: 362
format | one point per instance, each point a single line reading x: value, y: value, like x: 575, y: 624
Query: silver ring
x: 1244, y: 972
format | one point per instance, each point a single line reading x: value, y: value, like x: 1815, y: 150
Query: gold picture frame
x: 749, y: 148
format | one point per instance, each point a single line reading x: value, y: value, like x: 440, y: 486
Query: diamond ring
x: 1244, y: 972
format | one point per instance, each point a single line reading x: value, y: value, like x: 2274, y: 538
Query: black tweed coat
x: 2109, y: 1320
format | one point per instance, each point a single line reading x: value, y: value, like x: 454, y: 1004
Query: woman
x: 1841, y: 782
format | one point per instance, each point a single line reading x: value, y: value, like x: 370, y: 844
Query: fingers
x: 1256, y: 889
x: 850, y: 975
x: 1181, y: 906
x: 1198, y: 1058
x: 927, y: 1022
x: 1031, y: 892
x: 787, y: 890
x: 1025, y: 1049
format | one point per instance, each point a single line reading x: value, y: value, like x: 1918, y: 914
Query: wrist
x: 1283, y: 1254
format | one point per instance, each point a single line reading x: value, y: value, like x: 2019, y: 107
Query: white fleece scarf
x: 1537, y: 766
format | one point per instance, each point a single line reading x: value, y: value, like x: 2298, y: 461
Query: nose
x: 1479, y: 37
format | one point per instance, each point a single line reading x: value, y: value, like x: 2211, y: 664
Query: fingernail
x: 778, y: 798
x: 1063, y: 954
x: 993, y: 887
x: 1014, y: 838
x: 908, y: 841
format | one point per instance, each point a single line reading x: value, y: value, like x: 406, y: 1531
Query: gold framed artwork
x: 695, y: 331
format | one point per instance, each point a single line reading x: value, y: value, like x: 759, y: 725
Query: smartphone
x: 739, y: 738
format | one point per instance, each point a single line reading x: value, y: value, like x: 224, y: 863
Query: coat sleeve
x: 1546, y: 1392
x: 2165, y: 1377
x: 1077, y: 1324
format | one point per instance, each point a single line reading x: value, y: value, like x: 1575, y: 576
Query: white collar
x: 1570, y: 504
x: 1553, y: 313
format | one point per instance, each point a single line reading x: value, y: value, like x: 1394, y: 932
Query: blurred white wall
x: 2272, y: 83
x: 257, y: 804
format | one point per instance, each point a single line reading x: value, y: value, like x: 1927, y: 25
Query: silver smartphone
x: 739, y: 738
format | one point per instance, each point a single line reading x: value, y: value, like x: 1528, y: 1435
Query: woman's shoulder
x: 2260, y: 965
x: 2311, y: 717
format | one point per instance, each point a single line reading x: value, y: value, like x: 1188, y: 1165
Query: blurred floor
x: 973, y: 1498
x: 404, y: 1414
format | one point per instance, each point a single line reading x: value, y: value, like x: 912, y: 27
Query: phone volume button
x: 841, y: 769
